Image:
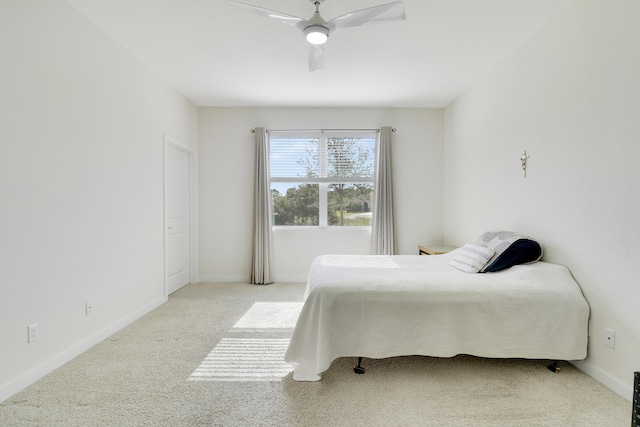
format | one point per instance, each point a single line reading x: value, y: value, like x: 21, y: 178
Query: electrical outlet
x: 89, y: 307
x: 33, y: 332
x: 610, y: 338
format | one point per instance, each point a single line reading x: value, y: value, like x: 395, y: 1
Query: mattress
x: 384, y: 306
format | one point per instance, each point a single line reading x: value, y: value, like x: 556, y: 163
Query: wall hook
x: 523, y: 159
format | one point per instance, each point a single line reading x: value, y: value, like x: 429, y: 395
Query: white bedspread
x: 384, y: 306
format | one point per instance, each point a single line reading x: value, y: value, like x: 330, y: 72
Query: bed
x: 385, y: 306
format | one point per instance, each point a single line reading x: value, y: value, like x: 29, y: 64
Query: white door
x: 177, y: 218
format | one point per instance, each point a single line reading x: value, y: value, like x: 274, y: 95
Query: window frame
x: 323, y: 181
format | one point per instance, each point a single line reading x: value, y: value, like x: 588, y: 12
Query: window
x: 322, y: 179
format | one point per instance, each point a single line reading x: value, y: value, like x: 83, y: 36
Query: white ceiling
x: 218, y: 55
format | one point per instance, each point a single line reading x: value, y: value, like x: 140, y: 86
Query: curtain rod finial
x: 252, y: 130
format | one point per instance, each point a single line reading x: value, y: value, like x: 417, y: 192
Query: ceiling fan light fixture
x: 316, y: 29
x: 316, y: 34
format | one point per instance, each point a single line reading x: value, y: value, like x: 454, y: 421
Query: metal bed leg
x: 553, y: 367
x: 359, y: 369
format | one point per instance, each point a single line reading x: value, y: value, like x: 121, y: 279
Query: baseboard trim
x: 14, y: 386
x: 597, y: 374
x: 220, y: 279
x: 243, y: 279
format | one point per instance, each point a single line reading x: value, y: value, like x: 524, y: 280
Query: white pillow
x: 471, y: 258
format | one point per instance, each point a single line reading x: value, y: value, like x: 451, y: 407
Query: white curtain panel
x: 262, y: 262
x: 383, y: 236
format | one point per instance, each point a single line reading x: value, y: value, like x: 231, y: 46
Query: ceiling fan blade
x: 316, y: 57
x: 382, y: 13
x: 268, y: 13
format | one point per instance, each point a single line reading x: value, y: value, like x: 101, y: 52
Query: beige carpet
x: 208, y: 358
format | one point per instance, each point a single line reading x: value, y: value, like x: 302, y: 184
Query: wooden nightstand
x: 434, y: 250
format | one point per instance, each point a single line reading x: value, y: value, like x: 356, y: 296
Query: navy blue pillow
x: 522, y: 251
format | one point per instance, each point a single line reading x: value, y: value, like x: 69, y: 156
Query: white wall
x: 81, y: 185
x: 571, y: 97
x: 226, y: 154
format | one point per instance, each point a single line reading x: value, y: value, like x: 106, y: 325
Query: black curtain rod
x: 322, y: 130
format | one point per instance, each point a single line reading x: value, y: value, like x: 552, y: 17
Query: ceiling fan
x: 317, y: 30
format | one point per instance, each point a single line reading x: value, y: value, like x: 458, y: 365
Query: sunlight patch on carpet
x: 244, y: 359
x: 270, y: 315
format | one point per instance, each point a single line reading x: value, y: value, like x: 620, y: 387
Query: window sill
x: 317, y: 228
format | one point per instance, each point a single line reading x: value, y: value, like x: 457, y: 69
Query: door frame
x: 192, y: 152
